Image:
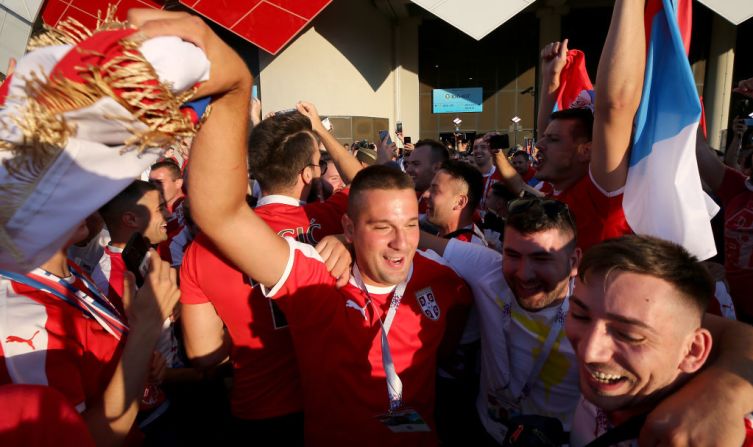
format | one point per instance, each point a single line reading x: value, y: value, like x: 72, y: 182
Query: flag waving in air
x: 663, y: 194
x: 576, y: 89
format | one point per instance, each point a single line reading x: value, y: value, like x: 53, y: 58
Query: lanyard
x: 487, y: 184
x: 546, y: 349
x: 394, y: 384
x: 97, y: 306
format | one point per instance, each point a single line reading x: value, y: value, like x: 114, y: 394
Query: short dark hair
x: 521, y: 153
x: 279, y: 148
x: 468, y: 174
x: 171, y: 166
x: 531, y: 215
x: 503, y: 192
x: 124, y: 201
x: 584, y: 122
x: 655, y: 257
x: 439, y: 152
x: 376, y: 177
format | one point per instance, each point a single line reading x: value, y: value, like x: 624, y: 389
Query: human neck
x: 454, y: 224
x: 296, y: 192
x: 57, y: 265
x: 171, y: 203
x: 487, y: 168
x: 119, y: 239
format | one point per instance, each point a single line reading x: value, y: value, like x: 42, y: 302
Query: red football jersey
x: 47, y: 341
x: 266, y: 382
x: 736, y: 193
x: 598, y: 214
x: 39, y: 416
x: 489, y: 179
x: 337, y: 336
x: 108, y: 275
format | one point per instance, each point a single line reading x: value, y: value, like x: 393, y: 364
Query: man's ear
x: 179, y: 182
x: 584, y: 152
x: 348, y: 228
x: 461, y: 200
x: 129, y: 219
x: 575, y: 258
x: 307, y: 176
x: 698, y: 350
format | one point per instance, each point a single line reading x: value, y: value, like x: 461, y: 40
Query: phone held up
x: 135, y: 257
x: 399, y: 127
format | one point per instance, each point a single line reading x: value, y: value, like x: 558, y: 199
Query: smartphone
x: 748, y: 122
x: 384, y: 133
x: 399, y: 127
x: 407, y: 140
x: 327, y: 124
x: 135, y: 257
x: 497, y: 142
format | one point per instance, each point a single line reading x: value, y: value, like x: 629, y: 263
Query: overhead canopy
x: 736, y: 11
x: 85, y: 11
x: 268, y: 24
x: 477, y: 18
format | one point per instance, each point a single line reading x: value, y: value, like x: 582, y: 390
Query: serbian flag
x: 576, y: 89
x: 84, y: 113
x: 663, y: 194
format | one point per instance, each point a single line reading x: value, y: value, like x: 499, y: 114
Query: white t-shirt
x: 511, y: 339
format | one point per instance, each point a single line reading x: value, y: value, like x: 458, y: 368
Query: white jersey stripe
x: 23, y: 335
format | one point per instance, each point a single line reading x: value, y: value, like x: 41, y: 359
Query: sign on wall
x: 457, y: 100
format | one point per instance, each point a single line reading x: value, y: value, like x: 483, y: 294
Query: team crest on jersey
x: 428, y: 303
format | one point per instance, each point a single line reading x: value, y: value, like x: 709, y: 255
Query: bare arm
x: 434, y: 243
x: 347, y: 165
x: 619, y: 82
x: 110, y: 418
x: 218, y: 166
x: 710, y: 408
x: 512, y: 180
x: 204, y: 336
x: 709, y: 165
x: 553, y: 60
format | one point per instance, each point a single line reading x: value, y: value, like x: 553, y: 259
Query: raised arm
x: 218, y: 167
x: 111, y: 417
x: 553, y: 61
x: 619, y: 82
x: 512, y: 180
x: 347, y: 165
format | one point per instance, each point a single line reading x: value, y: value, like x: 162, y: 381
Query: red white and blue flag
x: 663, y: 193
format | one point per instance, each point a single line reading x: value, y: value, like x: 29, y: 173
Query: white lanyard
x: 394, y: 384
x: 546, y: 349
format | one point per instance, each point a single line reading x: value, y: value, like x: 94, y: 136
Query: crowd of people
x: 302, y: 291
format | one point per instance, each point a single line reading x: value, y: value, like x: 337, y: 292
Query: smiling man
x: 635, y: 324
x: 367, y: 349
x: 138, y: 208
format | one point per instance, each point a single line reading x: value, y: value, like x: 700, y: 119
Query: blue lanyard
x: 95, y: 307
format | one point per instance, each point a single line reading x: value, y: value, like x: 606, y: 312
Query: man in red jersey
x: 60, y: 331
x: 219, y: 300
x: 454, y: 195
x: 424, y: 161
x: 167, y: 176
x: 337, y: 333
x: 138, y: 208
x: 583, y: 156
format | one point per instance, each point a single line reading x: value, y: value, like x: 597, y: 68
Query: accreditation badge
x: 404, y: 420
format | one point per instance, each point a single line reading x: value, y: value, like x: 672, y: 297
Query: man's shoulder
x: 429, y: 267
